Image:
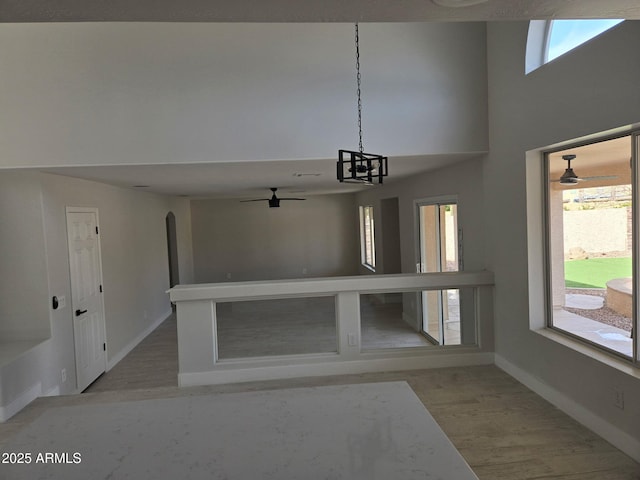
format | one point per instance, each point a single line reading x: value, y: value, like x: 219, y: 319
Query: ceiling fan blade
x: 274, y: 201
x: 583, y: 179
x: 600, y: 177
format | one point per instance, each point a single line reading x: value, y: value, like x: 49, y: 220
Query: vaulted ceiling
x: 235, y: 179
x: 311, y: 10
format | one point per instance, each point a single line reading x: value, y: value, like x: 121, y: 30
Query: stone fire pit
x: 619, y: 296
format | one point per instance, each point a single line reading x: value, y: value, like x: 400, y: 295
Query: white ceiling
x: 310, y: 10
x: 248, y: 179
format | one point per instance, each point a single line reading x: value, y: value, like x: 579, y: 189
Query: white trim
x: 417, y: 222
x: 21, y: 401
x: 53, y: 392
x: 363, y: 240
x: 590, y: 351
x: 621, y: 440
x: 220, y: 292
x: 537, y: 45
x: 134, y: 343
x: 241, y: 373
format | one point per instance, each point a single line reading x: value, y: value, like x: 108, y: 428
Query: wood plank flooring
x: 504, y: 431
x: 306, y: 325
x: 152, y: 364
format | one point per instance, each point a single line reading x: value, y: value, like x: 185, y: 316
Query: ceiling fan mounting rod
x: 568, y: 158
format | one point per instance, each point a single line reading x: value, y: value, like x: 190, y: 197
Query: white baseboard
x: 24, y: 399
x: 54, y: 392
x: 619, y: 439
x: 113, y: 361
x: 244, y: 372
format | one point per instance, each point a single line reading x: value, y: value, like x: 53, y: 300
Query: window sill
x: 592, y: 352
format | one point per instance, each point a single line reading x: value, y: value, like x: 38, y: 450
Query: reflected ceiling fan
x: 274, y: 201
x: 569, y: 177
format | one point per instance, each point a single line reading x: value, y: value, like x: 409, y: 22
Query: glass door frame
x: 438, y: 202
x: 635, y: 246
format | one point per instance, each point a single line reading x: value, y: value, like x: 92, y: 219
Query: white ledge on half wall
x: 331, y: 285
x: 198, y: 338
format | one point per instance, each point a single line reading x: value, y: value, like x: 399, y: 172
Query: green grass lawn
x: 595, y: 272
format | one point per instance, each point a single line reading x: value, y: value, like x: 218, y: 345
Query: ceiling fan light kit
x: 357, y: 166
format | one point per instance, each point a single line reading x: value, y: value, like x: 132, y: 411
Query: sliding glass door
x: 438, y: 252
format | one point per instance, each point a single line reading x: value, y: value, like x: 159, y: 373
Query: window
x: 590, y: 243
x: 549, y: 39
x: 565, y: 35
x: 367, y: 238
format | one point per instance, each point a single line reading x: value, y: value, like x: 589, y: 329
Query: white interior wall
x: 135, y: 271
x: 463, y: 180
x: 592, y: 89
x: 134, y: 252
x: 23, y: 283
x: 147, y: 93
x: 234, y: 241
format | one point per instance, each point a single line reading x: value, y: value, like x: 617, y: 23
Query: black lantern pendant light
x: 360, y: 167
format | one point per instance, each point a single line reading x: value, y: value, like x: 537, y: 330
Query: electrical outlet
x: 618, y: 398
x: 351, y: 339
x: 63, y: 374
x: 304, y: 271
x: 62, y: 301
x: 228, y: 276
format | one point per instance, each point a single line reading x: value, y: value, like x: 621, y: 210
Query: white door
x: 86, y: 294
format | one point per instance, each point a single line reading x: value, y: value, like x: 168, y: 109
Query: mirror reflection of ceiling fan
x: 274, y: 201
x: 569, y: 177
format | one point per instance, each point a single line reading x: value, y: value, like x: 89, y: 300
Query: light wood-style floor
x: 502, y: 429
x: 306, y: 325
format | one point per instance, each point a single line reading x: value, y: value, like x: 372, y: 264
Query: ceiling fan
x: 274, y: 201
x: 569, y: 177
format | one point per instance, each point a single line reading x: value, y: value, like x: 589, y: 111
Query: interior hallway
x: 503, y: 430
x: 152, y: 364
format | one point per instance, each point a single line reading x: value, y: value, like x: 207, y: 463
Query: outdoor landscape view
x: 591, y: 238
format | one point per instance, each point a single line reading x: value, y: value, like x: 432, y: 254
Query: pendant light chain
x: 359, y: 167
x: 359, y: 93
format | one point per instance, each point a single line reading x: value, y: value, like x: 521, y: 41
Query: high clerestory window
x: 549, y: 39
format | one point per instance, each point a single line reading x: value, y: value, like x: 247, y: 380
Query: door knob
x: 80, y: 312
